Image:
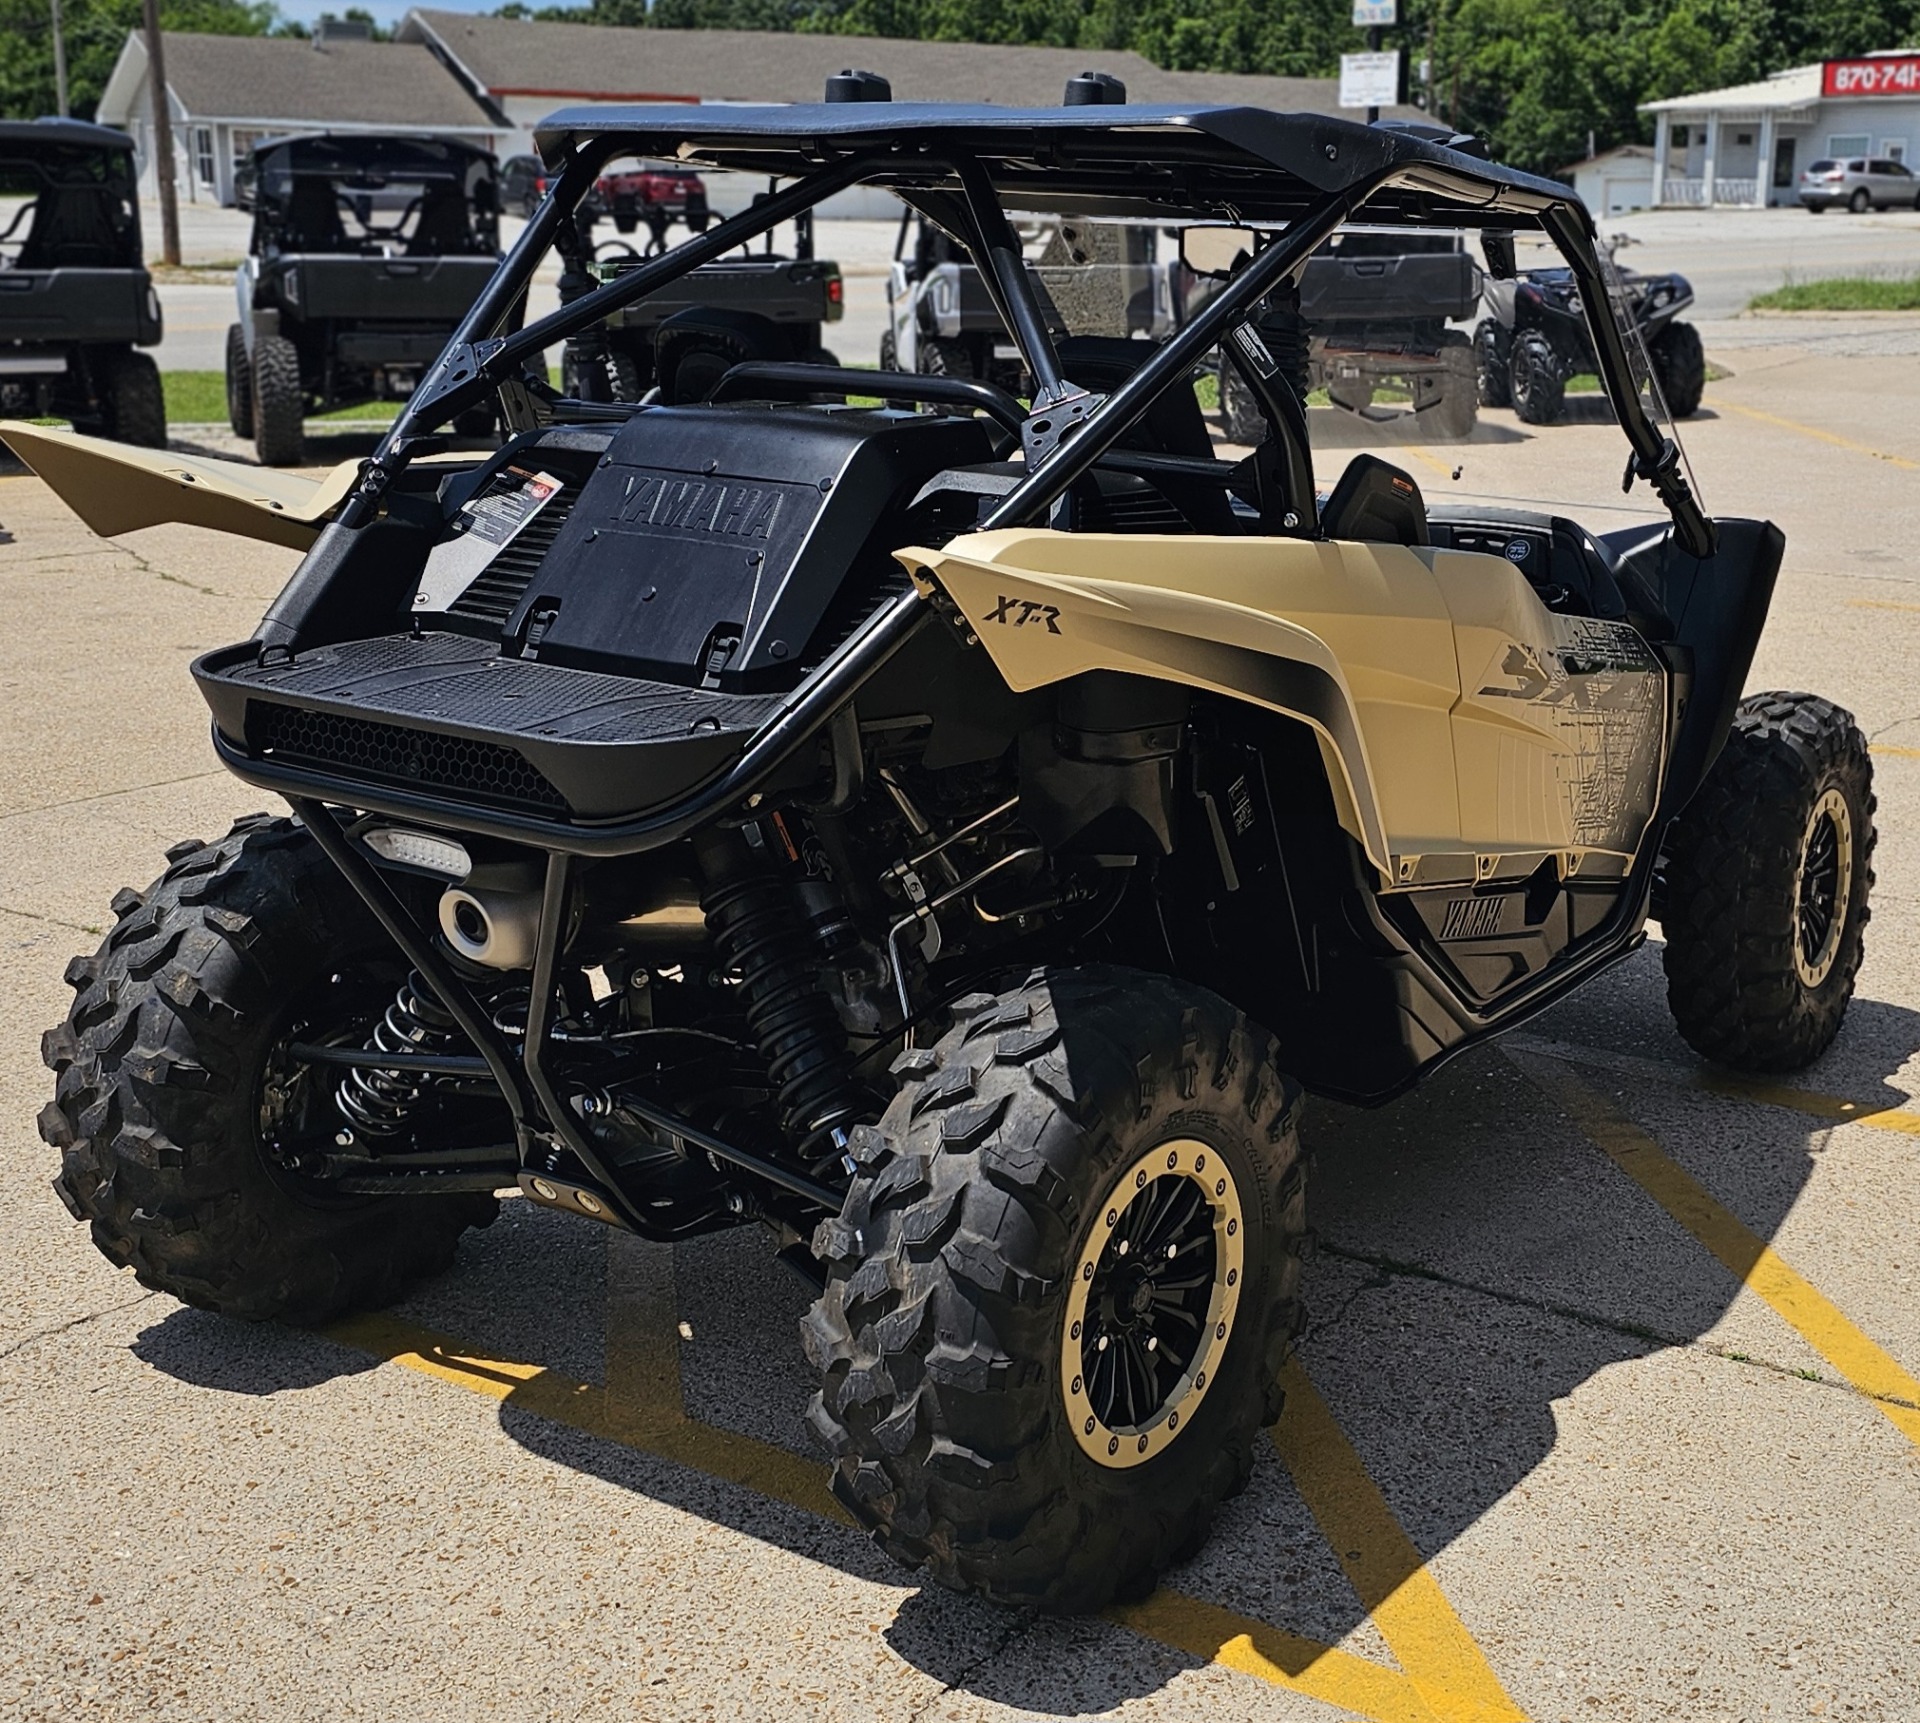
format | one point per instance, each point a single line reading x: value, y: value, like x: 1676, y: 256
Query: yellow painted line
x: 1748, y: 1257
x: 1388, y: 1574
x: 724, y: 1454
x: 1882, y: 1117
x: 641, y: 1408
x: 1280, y: 1659
x: 1816, y: 433
x: 1880, y: 604
x: 1897, y: 753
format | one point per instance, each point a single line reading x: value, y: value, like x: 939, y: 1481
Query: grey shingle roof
x: 285, y: 80
x: 575, y: 62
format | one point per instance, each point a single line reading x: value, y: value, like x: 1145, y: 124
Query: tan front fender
x: 1206, y: 613
x: 116, y: 488
x: 1468, y: 733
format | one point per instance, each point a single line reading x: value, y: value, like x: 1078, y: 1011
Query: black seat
x: 71, y: 230
x: 313, y: 218
x: 693, y: 349
x: 1377, y: 502
x: 443, y: 229
x: 1173, y: 425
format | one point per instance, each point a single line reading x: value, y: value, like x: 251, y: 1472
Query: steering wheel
x: 613, y: 248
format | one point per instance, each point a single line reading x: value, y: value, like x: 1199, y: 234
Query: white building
x: 1747, y: 145
x: 1615, y: 181
x: 225, y: 93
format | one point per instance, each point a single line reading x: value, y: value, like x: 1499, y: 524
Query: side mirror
x: 1213, y: 251
x: 1498, y: 250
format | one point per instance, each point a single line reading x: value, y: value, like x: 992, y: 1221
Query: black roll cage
x: 1066, y: 431
x: 1068, y: 428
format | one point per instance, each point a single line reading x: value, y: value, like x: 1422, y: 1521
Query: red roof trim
x: 597, y: 95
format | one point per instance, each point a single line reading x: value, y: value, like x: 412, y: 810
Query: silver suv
x: 1865, y: 182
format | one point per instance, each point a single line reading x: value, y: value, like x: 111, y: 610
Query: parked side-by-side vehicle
x: 948, y: 830
x: 367, y: 251
x: 76, y: 301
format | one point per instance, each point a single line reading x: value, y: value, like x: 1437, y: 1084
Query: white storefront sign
x: 1370, y: 80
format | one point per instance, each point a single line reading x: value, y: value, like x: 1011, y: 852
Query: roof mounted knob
x: 1095, y: 90
x: 856, y: 86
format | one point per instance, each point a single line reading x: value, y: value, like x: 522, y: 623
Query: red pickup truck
x: 649, y: 194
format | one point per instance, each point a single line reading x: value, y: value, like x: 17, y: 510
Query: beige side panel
x: 1353, y: 638
x: 1560, y: 732
x: 1469, y: 730
x: 115, y: 488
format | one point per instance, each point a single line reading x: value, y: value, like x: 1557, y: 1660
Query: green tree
x: 95, y: 32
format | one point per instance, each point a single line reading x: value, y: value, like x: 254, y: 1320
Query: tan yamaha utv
x: 948, y: 826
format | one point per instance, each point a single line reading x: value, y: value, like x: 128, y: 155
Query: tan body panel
x: 1459, y: 742
x: 116, y: 488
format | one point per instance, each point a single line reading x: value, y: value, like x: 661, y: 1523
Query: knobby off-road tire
x: 161, y: 1084
x: 135, y: 405
x: 1456, y: 412
x: 1539, y: 390
x: 279, y: 401
x: 940, y: 356
x: 1240, y: 414
x: 1492, y: 343
x: 239, y: 382
x: 1765, y: 880
x: 980, y: 1259
x: 1680, y: 362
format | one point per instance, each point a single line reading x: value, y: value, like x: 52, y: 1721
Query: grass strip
x: 1843, y: 293
x: 200, y: 398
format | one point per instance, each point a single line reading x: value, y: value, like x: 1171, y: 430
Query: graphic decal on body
x: 1018, y: 612
x: 1597, y: 693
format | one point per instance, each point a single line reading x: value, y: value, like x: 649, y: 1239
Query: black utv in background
x: 75, y: 297
x: 766, y: 305
x: 366, y: 253
x: 1371, y: 323
x: 1533, y: 340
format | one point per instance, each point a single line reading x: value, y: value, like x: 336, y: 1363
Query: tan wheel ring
x: 1152, y: 1303
x: 1822, y: 888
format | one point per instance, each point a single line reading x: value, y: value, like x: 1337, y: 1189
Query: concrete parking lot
x: 1609, y: 1407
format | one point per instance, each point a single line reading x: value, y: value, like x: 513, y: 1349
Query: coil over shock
x: 380, y: 1103
x: 762, y: 930
x: 1286, y: 334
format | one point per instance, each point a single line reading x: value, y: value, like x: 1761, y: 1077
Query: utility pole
x: 1373, y: 47
x: 59, y: 62
x: 162, y: 137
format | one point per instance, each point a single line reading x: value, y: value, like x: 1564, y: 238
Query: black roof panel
x: 74, y: 134
x: 1158, y: 162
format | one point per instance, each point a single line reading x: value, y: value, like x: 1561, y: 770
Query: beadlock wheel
x: 1153, y: 1302
x: 1823, y: 888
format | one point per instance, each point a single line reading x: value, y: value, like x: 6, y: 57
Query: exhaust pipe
x: 494, y: 925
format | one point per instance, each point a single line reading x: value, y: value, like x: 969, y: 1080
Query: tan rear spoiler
x: 115, y: 488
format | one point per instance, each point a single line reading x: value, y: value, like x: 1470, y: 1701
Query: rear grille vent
x: 491, y: 599
x: 486, y: 771
x: 1145, y: 510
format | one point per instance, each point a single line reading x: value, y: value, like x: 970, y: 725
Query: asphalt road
x: 1608, y: 1409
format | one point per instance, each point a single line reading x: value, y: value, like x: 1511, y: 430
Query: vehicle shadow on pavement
x: 233, y: 1357
x: 1480, y: 1261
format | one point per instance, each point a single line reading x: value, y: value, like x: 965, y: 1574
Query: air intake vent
x: 362, y: 748
x: 490, y: 600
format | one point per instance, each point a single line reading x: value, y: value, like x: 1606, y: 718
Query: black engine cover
x: 710, y: 544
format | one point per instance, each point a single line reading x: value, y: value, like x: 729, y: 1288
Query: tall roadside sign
x: 1372, y: 80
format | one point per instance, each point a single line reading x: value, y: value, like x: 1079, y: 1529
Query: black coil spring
x: 760, y: 932
x: 380, y: 1103
x: 1286, y: 334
